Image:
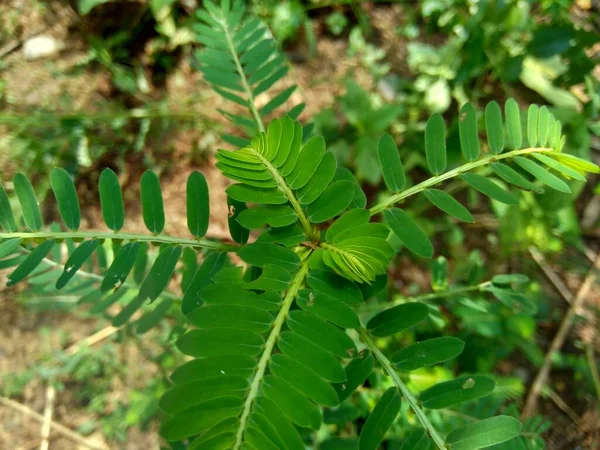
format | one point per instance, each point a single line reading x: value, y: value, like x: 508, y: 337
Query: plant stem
x: 240, y: 70
x: 159, y: 238
x: 266, y: 355
x: 387, y: 366
x: 430, y: 182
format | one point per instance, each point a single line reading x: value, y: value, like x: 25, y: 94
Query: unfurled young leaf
x: 513, y: 124
x: 197, y: 204
x: 152, y: 202
x: 390, y: 163
x: 493, y: 127
x: 435, y: 144
x: 449, y: 393
x: 448, y: 204
x: 66, y: 197
x: 397, y: 319
x: 380, y: 420
x: 7, y: 220
x: 408, y: 232
x: 469, y: 136
x: 484, y: 433
x: 111, y: 200
x: 28, y: 201
x: 489, y: 188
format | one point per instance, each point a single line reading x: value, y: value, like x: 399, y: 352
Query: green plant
x: 274, y: 343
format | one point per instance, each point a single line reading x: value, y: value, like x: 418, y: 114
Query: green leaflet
x: 152, y: 202
x: 515, y: 278
x: 357, y: 371
x: 284, y: 427
x: 121, y: 266
x: 292, y: 402
x: 77, y: 258
x: 380, y: 420
x: 304, y: 379
x: 542, y: 174
x: 111, y: 200
x: 308, y: 160
x: 8, y: 246
x: 179, y: 398
x: 157, y: 279
x: 484, y: 433
x: 513, y: 123
x: 359, y: 199
x: 417, y: 440
x: 212, y: 264
x: 287, y: 236
x: 469, y: 136
x: 408, y: 232
x: 390, y: 163
x: 332, y: 202
x: 7, y: 220
x: 348, y: 220
x: 397, y: 319
x: 273, y: 139
x: 32, y: 260
x: 329, y: 308
x: 448, y: 204
x: 241, y: 317
x: 197, y: 204
x: 245, y: 193
x: 322, y: 333
x: 238, y: 233
x: 329, y: 283
x: 543, y: 126
x: 319, y: 181
x: 489, y: 188
x: 435, y: 144
x: 220, y: 341
x: 459, y: 390
x: 311, y: 355
x: 493, y: 127
x: 275, y: 216
x: 559, y: 167
x: 28, y: 201
x: 427, y: 353
x: 66, y: 197
x: 294, y: 153
x: 532, y: 125
x: 199, y: 369
x: 272, y: 278
x: 260, y: 254
x: 510, y: 175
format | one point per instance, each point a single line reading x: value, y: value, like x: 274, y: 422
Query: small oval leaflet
x: 111, y: 200
x: 398, y: 318
x: 427, y: 353
x: 435, y: 144
x: 493, y: 127
x: 7, y: 220
x: 197, y: 204
x: 66, y: 197
x: 513, y: 123
x: 448, y: 204
x: 467, y: 127
x: 489, y: 188
x: 28, y: 201
x: 484, y: 433
x: 152, y: 202
x: 462, y: 389
x: 408, y: 232
x: 390, y: 163
x: 380, y: 420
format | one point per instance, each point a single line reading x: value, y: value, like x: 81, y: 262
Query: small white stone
x: 41, y: 46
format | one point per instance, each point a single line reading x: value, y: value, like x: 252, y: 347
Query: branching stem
x: 431, y: 182
x: 387, y: 366
x: 266, y: 355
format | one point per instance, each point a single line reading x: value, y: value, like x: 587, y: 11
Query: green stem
x: 387, y: 366
x: 159, y: 238
x: 266, y: 355
x: 240, y: 70
x: 430, y: 182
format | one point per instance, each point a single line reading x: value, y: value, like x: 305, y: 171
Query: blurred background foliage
x: 88, y: 84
